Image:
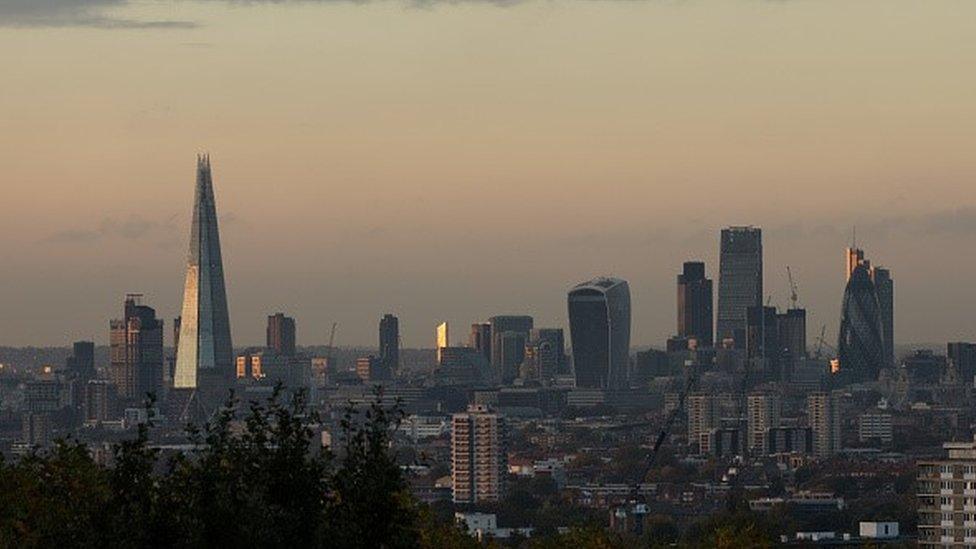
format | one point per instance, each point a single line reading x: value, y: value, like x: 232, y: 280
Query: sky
x: 449, y: 161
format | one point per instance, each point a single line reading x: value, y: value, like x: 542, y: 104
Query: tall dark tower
x: 205, y: 355
x: 480, y: 339
x: 81, y: 363
x: 136, y: 354
x: 740, y: 283
x: 281, y: 334
x: 506, y: 331
x: 695, y: 304
x: 860, y: 344
x: 599, y: 326
x: 390, y: 342
x: 885, y: 287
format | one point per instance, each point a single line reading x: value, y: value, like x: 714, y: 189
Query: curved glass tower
x: 599, y: 325
x: 204, y: 346
x: 860, y: 347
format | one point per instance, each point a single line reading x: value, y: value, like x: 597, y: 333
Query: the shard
x: 204, y: 357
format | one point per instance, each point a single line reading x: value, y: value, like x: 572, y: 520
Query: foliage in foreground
x: 250, y: 482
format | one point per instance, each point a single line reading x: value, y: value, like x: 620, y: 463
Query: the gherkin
x: 861, y: 349
x: 204, y: 354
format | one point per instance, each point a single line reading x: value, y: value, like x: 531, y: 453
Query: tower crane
x: 329, y: 353
x: 793, y: 296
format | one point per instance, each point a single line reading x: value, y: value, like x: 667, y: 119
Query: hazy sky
x: 455, y: 160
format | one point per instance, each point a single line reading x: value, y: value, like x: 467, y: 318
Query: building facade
x: 281, y: 334
x: 507, y: 364
x: 824, y: 419
x: 947, y: 498
x: 479, y: 456
x: 136, y: 351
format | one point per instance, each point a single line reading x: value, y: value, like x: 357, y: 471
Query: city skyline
x: 343, y: 198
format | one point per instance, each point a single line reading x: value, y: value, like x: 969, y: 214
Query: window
x: 946, y: 517
x: 945, y: 500
x: 946, y: 469
x: 946, y: 485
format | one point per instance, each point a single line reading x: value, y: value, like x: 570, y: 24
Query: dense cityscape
x: 526, y: 431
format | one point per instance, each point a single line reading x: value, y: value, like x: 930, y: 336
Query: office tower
x: 442, y: 339
x: 507, y: 365
x: 855, y: 258
x: 100, y: 401
x: 875, y: 425
x: 205, y: 357
x: 136, y: 353
x: 885, y: 287
x: 764, y: 415
x: 792, y: 327
x: 81, y: 363
x: 740, y: 282
x: 763, y: 339
x: 695, y: 304
x: 947, y: 499
x: 545, y: 350
x: 823, y: 417
x: 43, y: 395
x: 281, y: 334
x: 480, y: 339
x: 511, y: 354
x: 479, y: 456
x: 599, y: 326
x: 390, y: 342
x: 963, y: 356
x: 861, y: 340
x: 703, y: 416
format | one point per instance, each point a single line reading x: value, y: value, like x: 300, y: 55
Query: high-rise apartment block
x: 703, y: 416
x: 740, y: 284
x: 136, y: 354
x: 764, y: 411
x: 281, y: 334
x: 947, y: 498
x: 479, y: 458
x: 824, y: 418
x: 695, y: 320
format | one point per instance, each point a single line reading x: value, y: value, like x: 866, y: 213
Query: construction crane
x: 822, y: 342
x: 793, y: 297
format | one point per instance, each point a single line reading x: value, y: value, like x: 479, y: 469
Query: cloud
x: 131, y: 228
x: 76, y: 13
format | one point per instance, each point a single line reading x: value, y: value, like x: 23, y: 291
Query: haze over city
x: 452, y: 161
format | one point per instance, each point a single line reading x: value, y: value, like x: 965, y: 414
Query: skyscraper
x: 695, y: 304
x: 479, y: 458
x: 505, y: 365
x: 763, y: 341
x: 281, y: 334
x: 136, y: 354
x: 480, y: 339
x: 390, y: 342
x: 861, y: 340
x: 963, y: 356
x: 547, y: 348
x: 740, y: 283
x: 442, y: 338
x: 205, y: 355
x: 599, y: 326
x: 885, y: 287
x: 81, y: 363
x: 855, y: 257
